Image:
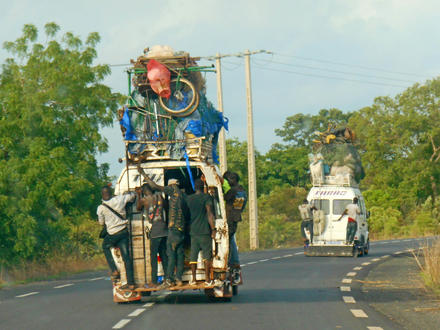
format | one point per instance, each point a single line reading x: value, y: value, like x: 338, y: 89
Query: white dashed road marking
x: 263, y: 260
x: 398, y: 252
x: 62, y: 286
x: 150, y: 304
x: 358, y: 313
x: 274, y: 258
x: 375, y: 259
x: 385, y: 256
x: 357, y: 268
x: 366, y: 263
x: 251, y: 263
x: 374, y: 328
x: 346, y: 280
x: 97, y: 278
x: 27, y: 294
x: 288, y: 255
x: 349, y: 300
x: 351, y: 274
x: 137, y: 312
x: 345, y: 288
x: 299, y: 253
x: 122, y: 323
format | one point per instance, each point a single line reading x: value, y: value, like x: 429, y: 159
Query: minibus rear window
x: 340, y: 204
x: 322, y: 204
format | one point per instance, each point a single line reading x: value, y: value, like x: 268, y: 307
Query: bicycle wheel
x: 191, y: 110
x: 183, y: 96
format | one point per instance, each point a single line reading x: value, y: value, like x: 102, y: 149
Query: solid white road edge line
x: 62, y: 286
x: 288, y: 255
x: 275, y: 258
x: 122, y: 323
x: 137, y: 312
x: 358, y: 313
x: 349, y: 300
x: 252, y: 262
x: 263, y: 260
x: 27, y: 294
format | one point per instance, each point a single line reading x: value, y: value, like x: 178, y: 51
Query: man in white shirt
x: 352, y: 210
x: 112, y: 213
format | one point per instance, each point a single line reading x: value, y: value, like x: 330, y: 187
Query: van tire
x: 235, y: 290
x: 367, y: 247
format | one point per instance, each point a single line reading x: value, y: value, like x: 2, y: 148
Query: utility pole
x: 221, y: 137
x: 253, y: 211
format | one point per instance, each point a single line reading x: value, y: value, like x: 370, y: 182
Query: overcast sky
x: 327, y: 53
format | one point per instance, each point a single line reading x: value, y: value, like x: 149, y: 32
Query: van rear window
x: 339, y: 205
x: 322, y: 204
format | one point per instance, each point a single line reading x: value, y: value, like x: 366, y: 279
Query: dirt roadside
x: 395, y: 289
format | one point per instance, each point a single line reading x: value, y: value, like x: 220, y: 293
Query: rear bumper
x: 330, y: 250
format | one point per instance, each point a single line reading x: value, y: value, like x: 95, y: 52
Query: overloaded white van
x: 160, y: 168
x: 329, y: 238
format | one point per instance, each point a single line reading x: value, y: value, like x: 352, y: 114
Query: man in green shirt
x: 202, y: 230
x: 176, y: 229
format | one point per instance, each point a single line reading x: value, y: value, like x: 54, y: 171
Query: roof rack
x: 197, y: 149
x: 345, y: 180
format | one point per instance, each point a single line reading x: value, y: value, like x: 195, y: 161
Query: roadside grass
x: 428, y: 261
x: 53, y: 268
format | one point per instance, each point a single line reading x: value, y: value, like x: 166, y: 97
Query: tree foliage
x: 52, y: 104
x: 399, y: 142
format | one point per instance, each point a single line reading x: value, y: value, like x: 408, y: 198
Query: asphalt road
x: 282, y: 289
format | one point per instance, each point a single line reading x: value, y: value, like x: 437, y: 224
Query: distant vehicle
x: 330, y: 197
x: 161, y: 169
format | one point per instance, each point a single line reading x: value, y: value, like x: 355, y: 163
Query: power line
x: 349, y: 65
x: 337, y: 71
x: 119, y: 64
x: 329, y: 77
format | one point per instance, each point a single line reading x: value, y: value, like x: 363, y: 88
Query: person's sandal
x: 127, y: 287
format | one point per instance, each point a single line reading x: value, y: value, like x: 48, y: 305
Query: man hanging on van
x: 235, y: 199
x: 152, y: 204
x: 306, y: 212
x: 176, y: 228
x: 202, y: 230
x: 352, y: 210
x: 111, y: 213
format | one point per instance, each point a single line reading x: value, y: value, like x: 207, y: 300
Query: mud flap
x: 336, y: 251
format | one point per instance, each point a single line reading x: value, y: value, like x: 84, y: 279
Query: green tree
x: 52, y: 105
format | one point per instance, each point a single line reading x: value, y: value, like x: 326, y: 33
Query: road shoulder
x: 394, y: 288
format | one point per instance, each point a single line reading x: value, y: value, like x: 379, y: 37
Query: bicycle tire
x: 190, y: 104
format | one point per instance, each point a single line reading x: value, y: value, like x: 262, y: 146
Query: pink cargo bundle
x: 159, y: 77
